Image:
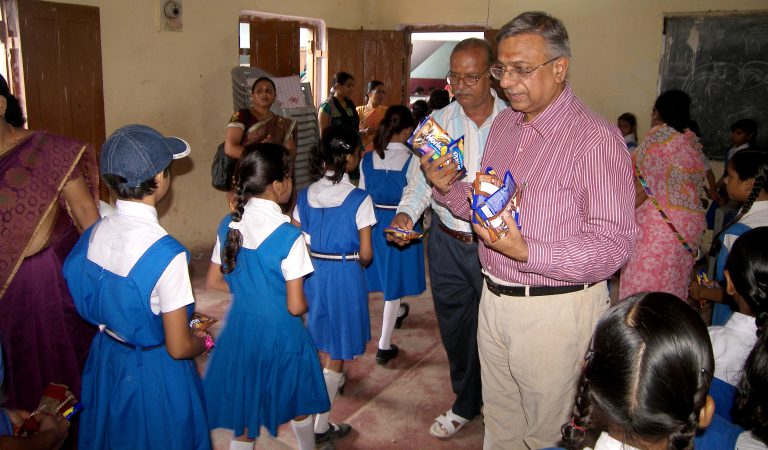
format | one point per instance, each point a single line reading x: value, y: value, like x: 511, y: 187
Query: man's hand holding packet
x: 492, y: 198
x: 431, y: 136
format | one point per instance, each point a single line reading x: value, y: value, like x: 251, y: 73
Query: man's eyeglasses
x: 468, y: 80
x: 498, y: 71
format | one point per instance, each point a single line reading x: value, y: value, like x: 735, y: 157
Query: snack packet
x: 201, y: 322
x: 703, y: 279
x: 406, y: 235
x: 491, y: 198
x: 431, y: 136
x: 57, y: 399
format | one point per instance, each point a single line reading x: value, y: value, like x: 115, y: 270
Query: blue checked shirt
x: 417, y: 195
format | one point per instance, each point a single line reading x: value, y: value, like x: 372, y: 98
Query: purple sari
x: 44, y: 339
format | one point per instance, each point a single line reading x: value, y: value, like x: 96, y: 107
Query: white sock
x: 305, y: 434
x: 240, y: 445
x: 332, y: 381
x: 391, y: 311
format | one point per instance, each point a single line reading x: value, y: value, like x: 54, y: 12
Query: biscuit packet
x: 406, y: 235
x: 431, y: 136
x: 201, y: 321
x: 492, y: 198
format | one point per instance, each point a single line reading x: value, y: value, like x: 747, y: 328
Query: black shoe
x: 335, y: 431
x: 400, y: 319
x: 383, y: 356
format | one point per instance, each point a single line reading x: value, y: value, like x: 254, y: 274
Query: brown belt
x: 466, y: 238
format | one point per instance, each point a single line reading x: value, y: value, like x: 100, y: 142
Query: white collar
x: 606, y: 442
x: 136, y: 209
x: 742, y: 323
x: 256, y: 204
x: 330, y: 173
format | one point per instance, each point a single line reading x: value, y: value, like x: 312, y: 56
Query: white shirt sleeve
x: 174, y: 289
x: 297, y: 263
x: 295, y: 214
x: 365, y: 216
x: 361, y: 182
x: 216, y: 254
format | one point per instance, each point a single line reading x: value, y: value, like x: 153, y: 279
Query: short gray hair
x: 471, y: 43
x: 534, y: 22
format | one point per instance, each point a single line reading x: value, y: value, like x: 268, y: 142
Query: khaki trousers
x: 531, y: 355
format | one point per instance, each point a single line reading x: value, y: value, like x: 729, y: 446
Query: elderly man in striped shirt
x: 545, y: 284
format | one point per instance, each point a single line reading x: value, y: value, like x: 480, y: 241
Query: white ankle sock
x: 391, y: 310
x: 240, y: 445
x: 332, y: 381
x: 305, y: 434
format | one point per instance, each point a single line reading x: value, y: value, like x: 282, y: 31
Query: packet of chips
x: 431, y: 136
x: 491, y: 198
x: 406, y: 235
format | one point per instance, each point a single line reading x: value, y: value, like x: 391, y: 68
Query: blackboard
x: 721, y: 61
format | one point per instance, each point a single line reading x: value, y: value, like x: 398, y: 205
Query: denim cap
x: 138, y: 153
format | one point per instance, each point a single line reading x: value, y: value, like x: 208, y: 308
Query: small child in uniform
x: 128, y: 276
x: 627, y: 124
x: 645, y: 378
x: 265, y: 370
x: 397, y: 271
x: 747, y: 183
x: 336, y: 218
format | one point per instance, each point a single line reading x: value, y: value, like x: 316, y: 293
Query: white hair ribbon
x: 235, y: 225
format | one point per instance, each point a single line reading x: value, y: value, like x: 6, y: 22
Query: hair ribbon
x: 235, y: 225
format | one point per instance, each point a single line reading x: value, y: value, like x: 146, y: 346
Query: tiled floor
x: 389, y: 407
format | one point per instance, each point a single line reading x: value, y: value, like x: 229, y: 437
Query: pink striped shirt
x: 577, y: 208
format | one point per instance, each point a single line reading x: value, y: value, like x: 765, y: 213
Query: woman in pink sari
x: 669, y: 162
x: 47, y: 192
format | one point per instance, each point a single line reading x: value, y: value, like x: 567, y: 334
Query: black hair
x: 629, y: 118
x: 439, y: 99
x: 372, y: 85
x: 674, y: 108
x: 420, y: 110
x: 646, y: 374
x: 749, y: 126
x: 750, y: 163
x: 337, y: 142
x: 748, y: 269
x: 340, y: 78
x: 396, y: 119
x: 145, y: 188
x: 259, y: 80
x: 260, y: 165
x: 13, y: 114
x: 470, y: 43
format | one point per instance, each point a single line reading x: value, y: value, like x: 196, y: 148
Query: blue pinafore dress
x: 337, y: 293
x: 397, y: 271
x: 135, y: 395
x: 265, y: 369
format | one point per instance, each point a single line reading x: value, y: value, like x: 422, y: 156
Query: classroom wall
x: 179, y: 82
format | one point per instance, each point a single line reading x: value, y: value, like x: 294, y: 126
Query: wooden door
x: 370, y: 55
x: 61, y: 55
x: 275, y: 46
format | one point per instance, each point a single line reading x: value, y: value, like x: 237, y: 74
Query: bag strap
x: 663, y: 214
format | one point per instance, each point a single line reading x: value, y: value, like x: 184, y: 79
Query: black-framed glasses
x: 468, y: 80
x: 498, y: 71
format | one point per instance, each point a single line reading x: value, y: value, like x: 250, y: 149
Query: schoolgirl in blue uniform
x: 336, y: 218
x: 265, y: 370
x: 129, y: 277
x: 397, y: 271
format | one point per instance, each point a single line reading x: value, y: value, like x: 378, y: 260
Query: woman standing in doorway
x: 372, y: 112
x: 339, y: 109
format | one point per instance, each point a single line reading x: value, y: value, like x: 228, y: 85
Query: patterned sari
x: 274, y: 129
x: 673, y: 165
x: 43, y: 337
